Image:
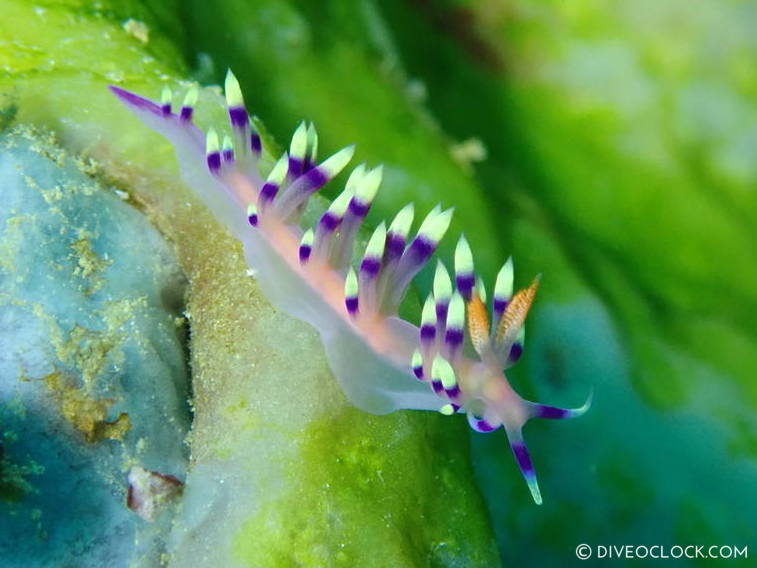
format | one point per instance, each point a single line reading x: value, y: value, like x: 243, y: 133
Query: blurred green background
x: 621, y: 143
x: 611, y: 146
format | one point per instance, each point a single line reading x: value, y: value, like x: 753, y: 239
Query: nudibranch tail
x: 382, y: 362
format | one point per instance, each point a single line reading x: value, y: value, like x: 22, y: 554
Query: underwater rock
x: 93, y: 380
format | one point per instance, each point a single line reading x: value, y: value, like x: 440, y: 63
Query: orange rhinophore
x: 478, y: 323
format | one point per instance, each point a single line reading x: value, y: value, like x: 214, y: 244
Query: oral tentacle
x: 537, y: 410
x: 523, y: 460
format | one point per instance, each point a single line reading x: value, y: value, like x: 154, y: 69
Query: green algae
x: 374, y: 492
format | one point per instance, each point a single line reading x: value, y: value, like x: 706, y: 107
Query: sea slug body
x: 382, y: 362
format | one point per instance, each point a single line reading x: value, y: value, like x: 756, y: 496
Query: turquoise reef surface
x: 93, y: 381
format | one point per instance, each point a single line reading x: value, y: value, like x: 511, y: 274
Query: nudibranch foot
x: 454, y: 362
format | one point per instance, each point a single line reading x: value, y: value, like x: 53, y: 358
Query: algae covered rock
x: 93, y: 380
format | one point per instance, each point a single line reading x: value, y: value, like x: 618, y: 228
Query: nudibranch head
x: 454, y: 362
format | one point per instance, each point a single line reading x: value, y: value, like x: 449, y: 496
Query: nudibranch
x: 382, y: 362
